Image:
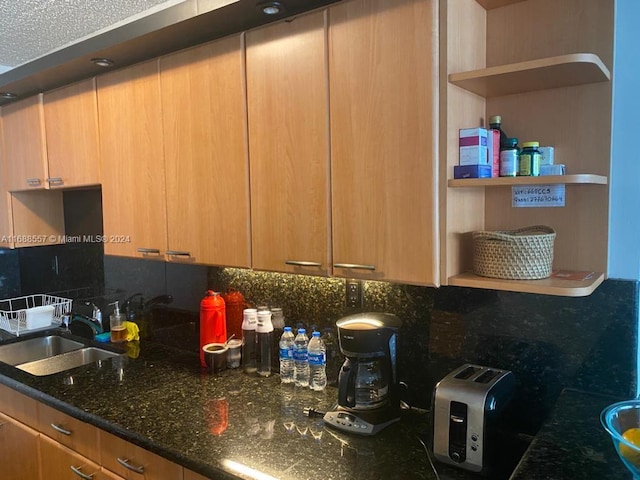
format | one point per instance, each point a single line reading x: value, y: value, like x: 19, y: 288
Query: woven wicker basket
x: 523, y: 254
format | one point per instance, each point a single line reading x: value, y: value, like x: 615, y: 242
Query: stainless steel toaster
x: 467, y: 407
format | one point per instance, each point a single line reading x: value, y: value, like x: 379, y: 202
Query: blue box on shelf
x: 472, y: 171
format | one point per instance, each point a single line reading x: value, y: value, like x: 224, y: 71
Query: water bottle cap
x: 302, y: 330
x: 287, y: 329
x: 316, y: 334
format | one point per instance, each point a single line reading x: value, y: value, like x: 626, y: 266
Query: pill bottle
x: 529, y: 160
x: 509, y: 153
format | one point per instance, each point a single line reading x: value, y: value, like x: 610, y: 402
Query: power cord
x: 426, y: 449
x: 313, y: 413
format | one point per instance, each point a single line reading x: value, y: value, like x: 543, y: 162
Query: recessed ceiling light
x: 103, y: 62
x: 8, y: 95
x: 271, y: 8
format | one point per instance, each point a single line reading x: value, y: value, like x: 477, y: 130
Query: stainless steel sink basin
x: 36, y: 348
x: 66, y: 361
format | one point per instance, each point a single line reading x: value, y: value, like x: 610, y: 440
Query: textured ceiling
x: 32, y: 28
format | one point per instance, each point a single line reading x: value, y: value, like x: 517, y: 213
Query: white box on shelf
x: 473, y: 144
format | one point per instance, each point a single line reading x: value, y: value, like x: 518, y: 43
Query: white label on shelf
x: 537, y: 196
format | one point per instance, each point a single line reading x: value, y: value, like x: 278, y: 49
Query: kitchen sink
x: 37, y: 348
x: 67, y: 361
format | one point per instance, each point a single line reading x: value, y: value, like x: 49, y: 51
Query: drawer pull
x: 34, y: 182
x: 55, y: 181
x: 354, y: 266
x: 302, y: 263
x: 178, y: 253
x: 84, y: 476
x: 59, y: 429
x: 125, y: 463
x: 149, y: 251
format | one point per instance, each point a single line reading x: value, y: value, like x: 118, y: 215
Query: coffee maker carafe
x: 368, y: 398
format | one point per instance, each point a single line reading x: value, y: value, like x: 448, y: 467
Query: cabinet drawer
x: 18, y: 406
x: 58, y: 462
x: 116, y: 452
x: 69, y: 431
x: 189, y: 475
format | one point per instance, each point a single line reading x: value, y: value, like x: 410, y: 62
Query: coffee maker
x: 368, y: 397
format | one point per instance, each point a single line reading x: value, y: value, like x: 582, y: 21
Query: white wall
x: 624, y: 229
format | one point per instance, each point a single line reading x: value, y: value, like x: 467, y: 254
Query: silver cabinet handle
x: 125, y: 463
x: 55, y: 181
x: 178, y: 253
x: 301, y: 263
x: 34, y: 182
x: 149, y: 251
x: 354, y: 266
x: 84, y: 476
x: 59, y: 429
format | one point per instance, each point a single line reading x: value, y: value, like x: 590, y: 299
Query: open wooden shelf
x: 491, y: 4
x: 544, y: 73
x: 546, y: 286
x: 578, y: 179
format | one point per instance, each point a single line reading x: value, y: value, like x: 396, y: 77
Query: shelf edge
x: 543, y: 287
x: 468, y: 80
x: 577, y: 179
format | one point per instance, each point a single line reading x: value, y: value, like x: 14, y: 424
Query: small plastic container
x: 509, y: 154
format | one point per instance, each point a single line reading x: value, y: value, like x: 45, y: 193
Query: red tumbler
x: 235, y: 305
x: 213, y: 321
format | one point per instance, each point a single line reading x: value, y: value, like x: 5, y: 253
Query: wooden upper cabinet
x: 71, y: 121
x: 288, y: 145
x: 207, y: 172
x: 6, y: 227
x: 23, y: 137
x: 132, y: 162
x: 383, y: 72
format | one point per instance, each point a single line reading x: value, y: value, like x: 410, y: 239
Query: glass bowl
x: 618, y: 419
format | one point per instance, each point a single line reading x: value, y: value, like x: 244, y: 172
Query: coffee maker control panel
x: 349, y: 422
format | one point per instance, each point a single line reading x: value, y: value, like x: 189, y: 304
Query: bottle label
x: 300, y: 355
x: 317, y: 359
x: 286, y: 353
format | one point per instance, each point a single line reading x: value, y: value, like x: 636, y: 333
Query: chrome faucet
x: 96, y: 314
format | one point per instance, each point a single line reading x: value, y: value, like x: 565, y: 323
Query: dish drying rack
x: 13, y: 312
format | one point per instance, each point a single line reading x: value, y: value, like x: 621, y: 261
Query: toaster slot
x: 467, y: 373
x: 487, y: 376
x: 458, y: 431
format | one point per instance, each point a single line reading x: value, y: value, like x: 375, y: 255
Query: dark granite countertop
x: 213, y: 424
x: 572, y: 444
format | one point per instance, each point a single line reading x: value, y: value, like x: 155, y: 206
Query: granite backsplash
x: 550, y: 343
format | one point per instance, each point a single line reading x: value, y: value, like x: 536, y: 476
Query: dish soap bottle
x: 118, y: 328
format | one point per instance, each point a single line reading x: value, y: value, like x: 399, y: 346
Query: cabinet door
x: 134, y: 463
x: 6, y: 225
x: 204, y: 121
x: 383, y: 71
x: 288, y: 145
x: 71, y: 121
x: 60, y: 463
x: 131, y: 153
x: 18, y: 450
x: 24, y: 144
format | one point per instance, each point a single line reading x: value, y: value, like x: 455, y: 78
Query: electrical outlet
x: 354, y: 293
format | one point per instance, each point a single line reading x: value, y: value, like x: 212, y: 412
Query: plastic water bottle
x: 317, y: 363
x: 286, y: 356
x: 301, y: 359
